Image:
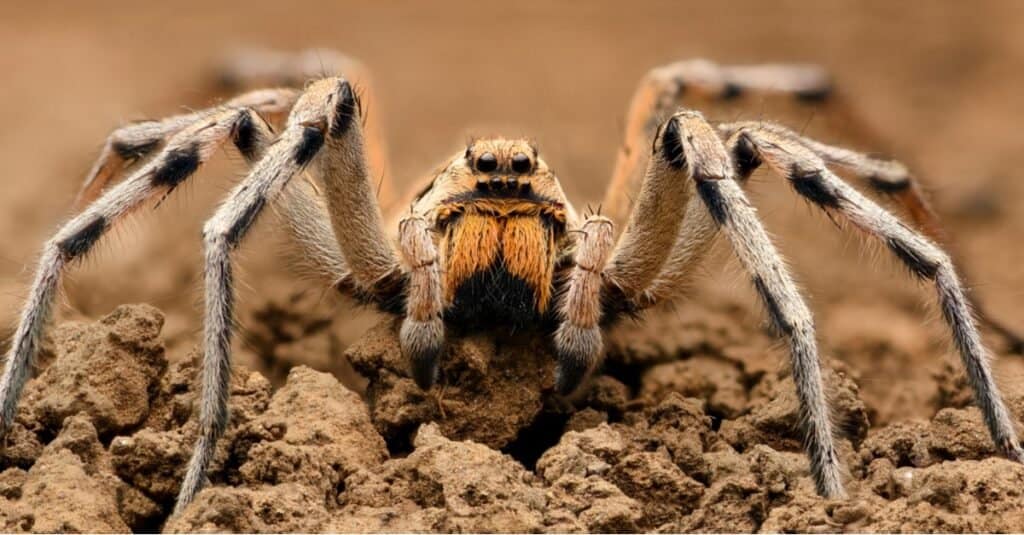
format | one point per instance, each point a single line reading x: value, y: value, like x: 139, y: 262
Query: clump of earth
x: 692, y: 431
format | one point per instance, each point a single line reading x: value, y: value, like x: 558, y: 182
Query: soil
x: 705, y: 443
x: 691, y: 423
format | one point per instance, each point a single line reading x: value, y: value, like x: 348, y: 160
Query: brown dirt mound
x: 706, y: 443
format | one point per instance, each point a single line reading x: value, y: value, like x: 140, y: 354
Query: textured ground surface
x: 706, y: 443
x: 691, y: 425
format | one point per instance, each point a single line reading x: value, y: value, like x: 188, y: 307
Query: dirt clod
x: 107, y: 370
x: 487, y: 391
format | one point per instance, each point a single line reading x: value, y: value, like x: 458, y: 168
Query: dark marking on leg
x: 135, y: 151
x: 615, y: 306
x: 672, y: 145
x: 176, y: 166
x: 344, y: 111
x: 889, y: 186
x: 708, y: 190
x: 570, y: 371
x: 247, y: 138
x: 814, y: 188
x: 245, y: 221
x: 680, y: 88
x: 731, y: 91
x: 80, y: 242
x: 918, y: 264
x: 820, y: 94
x: 312, y: 140
x: 778, y: 319
x: 425, y: 365
x: 745, y: 156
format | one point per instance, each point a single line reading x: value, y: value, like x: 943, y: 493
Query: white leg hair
x: 325, y: 114
x: 663, y: 88
x: 137, y: 141
x: 688, y: 148
x: 655, y: 221
x: 221, y: 234
x: 883, y: 174
x: 307, y: 221
x: 304, y: 216
x: 323, y: 121
x: 183, y: 154
x: 887, y: 177
x: 723, y: 197
x: 811, y: 178
x: 789, y: 316
x: 696, y: 236
x: 350, y: 194
x: 577, y: 340
x: 259, y: 67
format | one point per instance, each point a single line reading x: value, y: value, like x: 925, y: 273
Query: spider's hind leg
x: 180, y: 157
x: 694, y: 81
x: 137, y: 142
x: 810, y: 177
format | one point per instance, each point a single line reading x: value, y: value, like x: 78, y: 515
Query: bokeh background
x: 939, y: 82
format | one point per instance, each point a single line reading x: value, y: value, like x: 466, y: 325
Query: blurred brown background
x: 940, y: 81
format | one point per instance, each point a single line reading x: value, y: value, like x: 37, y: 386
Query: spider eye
x: 521, y: 163
x: 486, y: 163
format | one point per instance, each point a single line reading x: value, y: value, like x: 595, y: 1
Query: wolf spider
x: 491, y: 241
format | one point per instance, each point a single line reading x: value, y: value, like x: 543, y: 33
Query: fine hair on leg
x: 578, y: 341
x: 812, y: 179
x: 422, y: 333
x: 181, y: 156
x: 322, y: 133
x: 136, y: 142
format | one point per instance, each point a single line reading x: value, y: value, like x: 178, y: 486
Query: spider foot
x: 577, y: 350
x: 423, y: 343
x: 1012, y: 450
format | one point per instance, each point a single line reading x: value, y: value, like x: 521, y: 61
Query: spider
x: 492, y: 242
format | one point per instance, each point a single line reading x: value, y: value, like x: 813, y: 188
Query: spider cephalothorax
x: 492, y: 242
x: 497, y: 219
x: 501, y: 218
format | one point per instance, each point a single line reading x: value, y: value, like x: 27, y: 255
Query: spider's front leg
x: 422, y: 332
x: 323, y: 127
x: 577, y: 340
x: 688, y: 153
x: 635, y: 262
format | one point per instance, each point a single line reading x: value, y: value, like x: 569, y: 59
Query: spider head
x: 503, y: 168
x: 492, y: 169
x: 501, y: 215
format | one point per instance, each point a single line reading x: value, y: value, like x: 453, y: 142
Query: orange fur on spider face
x: 472, y: 245
x: 528, y: 249
x: 513, y: 233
